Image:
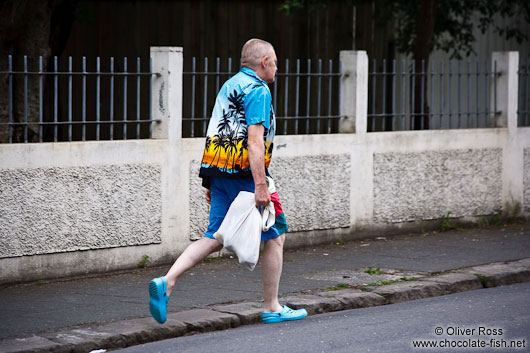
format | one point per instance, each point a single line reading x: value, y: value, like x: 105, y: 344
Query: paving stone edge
x: 132, y: 332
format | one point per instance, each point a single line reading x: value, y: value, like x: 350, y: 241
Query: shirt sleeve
x: 258, y: 106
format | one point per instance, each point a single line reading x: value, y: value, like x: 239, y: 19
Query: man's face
x: 270, y: 67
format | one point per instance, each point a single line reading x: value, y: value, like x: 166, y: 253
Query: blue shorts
x: 224, y: 191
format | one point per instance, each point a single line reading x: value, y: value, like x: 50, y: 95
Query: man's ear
x: 264, y: 61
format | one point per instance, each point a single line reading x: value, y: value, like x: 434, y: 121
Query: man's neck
x: 256, y: 70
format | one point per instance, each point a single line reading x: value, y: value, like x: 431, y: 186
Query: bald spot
x: 254, y: 50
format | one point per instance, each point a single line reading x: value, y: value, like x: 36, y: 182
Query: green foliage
x: 496, y: 220
x: 510, y: 214
x: 453, y: 20
x: 381, y: 283
x: 374, y: 271
x: 512, y: 211
x: 390, y: 281
x: 447, y: 224
x: 144, y: 261
x: 40, y: 282
x: 289, y: 6
x: 483, y: 279
x: 338, y: 286
x: 209, y: 259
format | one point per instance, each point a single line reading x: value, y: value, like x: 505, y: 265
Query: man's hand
x: 263, y: 197
x: 208, y: 195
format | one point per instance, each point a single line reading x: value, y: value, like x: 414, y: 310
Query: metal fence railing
x: 105, y: 100
x: 75, y: 101
x: 306, y: 95
x: 445, y: 95
x: 523, y: 111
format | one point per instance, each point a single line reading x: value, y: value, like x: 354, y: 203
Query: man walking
x: 237, y: 154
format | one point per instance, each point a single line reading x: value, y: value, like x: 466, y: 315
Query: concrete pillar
x: 507, y: 64
x: 506, y: 90
x: 166, y: 97
x: 354, y: 91
x: 166, y: 105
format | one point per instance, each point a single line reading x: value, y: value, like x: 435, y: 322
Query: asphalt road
x: 492, y: 316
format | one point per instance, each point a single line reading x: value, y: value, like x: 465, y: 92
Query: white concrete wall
x: 390, y: 179
x: 331, y: 186
x: 75, y: 208
x: 81, y: 207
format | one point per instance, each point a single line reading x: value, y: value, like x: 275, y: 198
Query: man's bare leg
x: 271, y: 271
x: 194, y: 253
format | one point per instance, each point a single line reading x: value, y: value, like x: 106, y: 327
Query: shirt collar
x: 252, y: 73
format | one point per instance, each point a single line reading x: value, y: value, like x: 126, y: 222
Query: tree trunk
x: 25, y: 31
x: 32, y: 28
x: 422, y: 48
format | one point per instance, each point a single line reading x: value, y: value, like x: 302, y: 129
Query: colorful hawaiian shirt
x: 244, y: 99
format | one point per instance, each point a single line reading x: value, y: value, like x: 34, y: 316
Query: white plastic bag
x: 241, y: 229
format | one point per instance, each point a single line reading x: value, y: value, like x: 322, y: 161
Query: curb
x: 132, y: 332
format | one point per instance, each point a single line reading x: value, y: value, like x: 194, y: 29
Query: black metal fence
x: 407, y: 95
x: 75, y: 100
x: 105, y: 100
x: 306, y: 95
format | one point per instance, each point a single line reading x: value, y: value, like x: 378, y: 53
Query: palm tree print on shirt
x: 231, y: 136
x: 227, y: 148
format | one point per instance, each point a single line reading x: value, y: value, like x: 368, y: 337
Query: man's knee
x: 215, y: 245
x: 278, y: 241
x: 209, y: 244
x: 218, y: 247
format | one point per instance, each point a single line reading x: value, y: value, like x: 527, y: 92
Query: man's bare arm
x: 256, y: 157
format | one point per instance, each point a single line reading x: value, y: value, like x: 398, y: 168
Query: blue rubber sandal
x: 287, y: 314
x: 158, y: 299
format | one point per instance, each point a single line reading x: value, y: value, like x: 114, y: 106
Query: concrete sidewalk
x: 112, y: 311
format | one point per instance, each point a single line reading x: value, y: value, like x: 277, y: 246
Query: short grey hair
x: 254, y: 50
